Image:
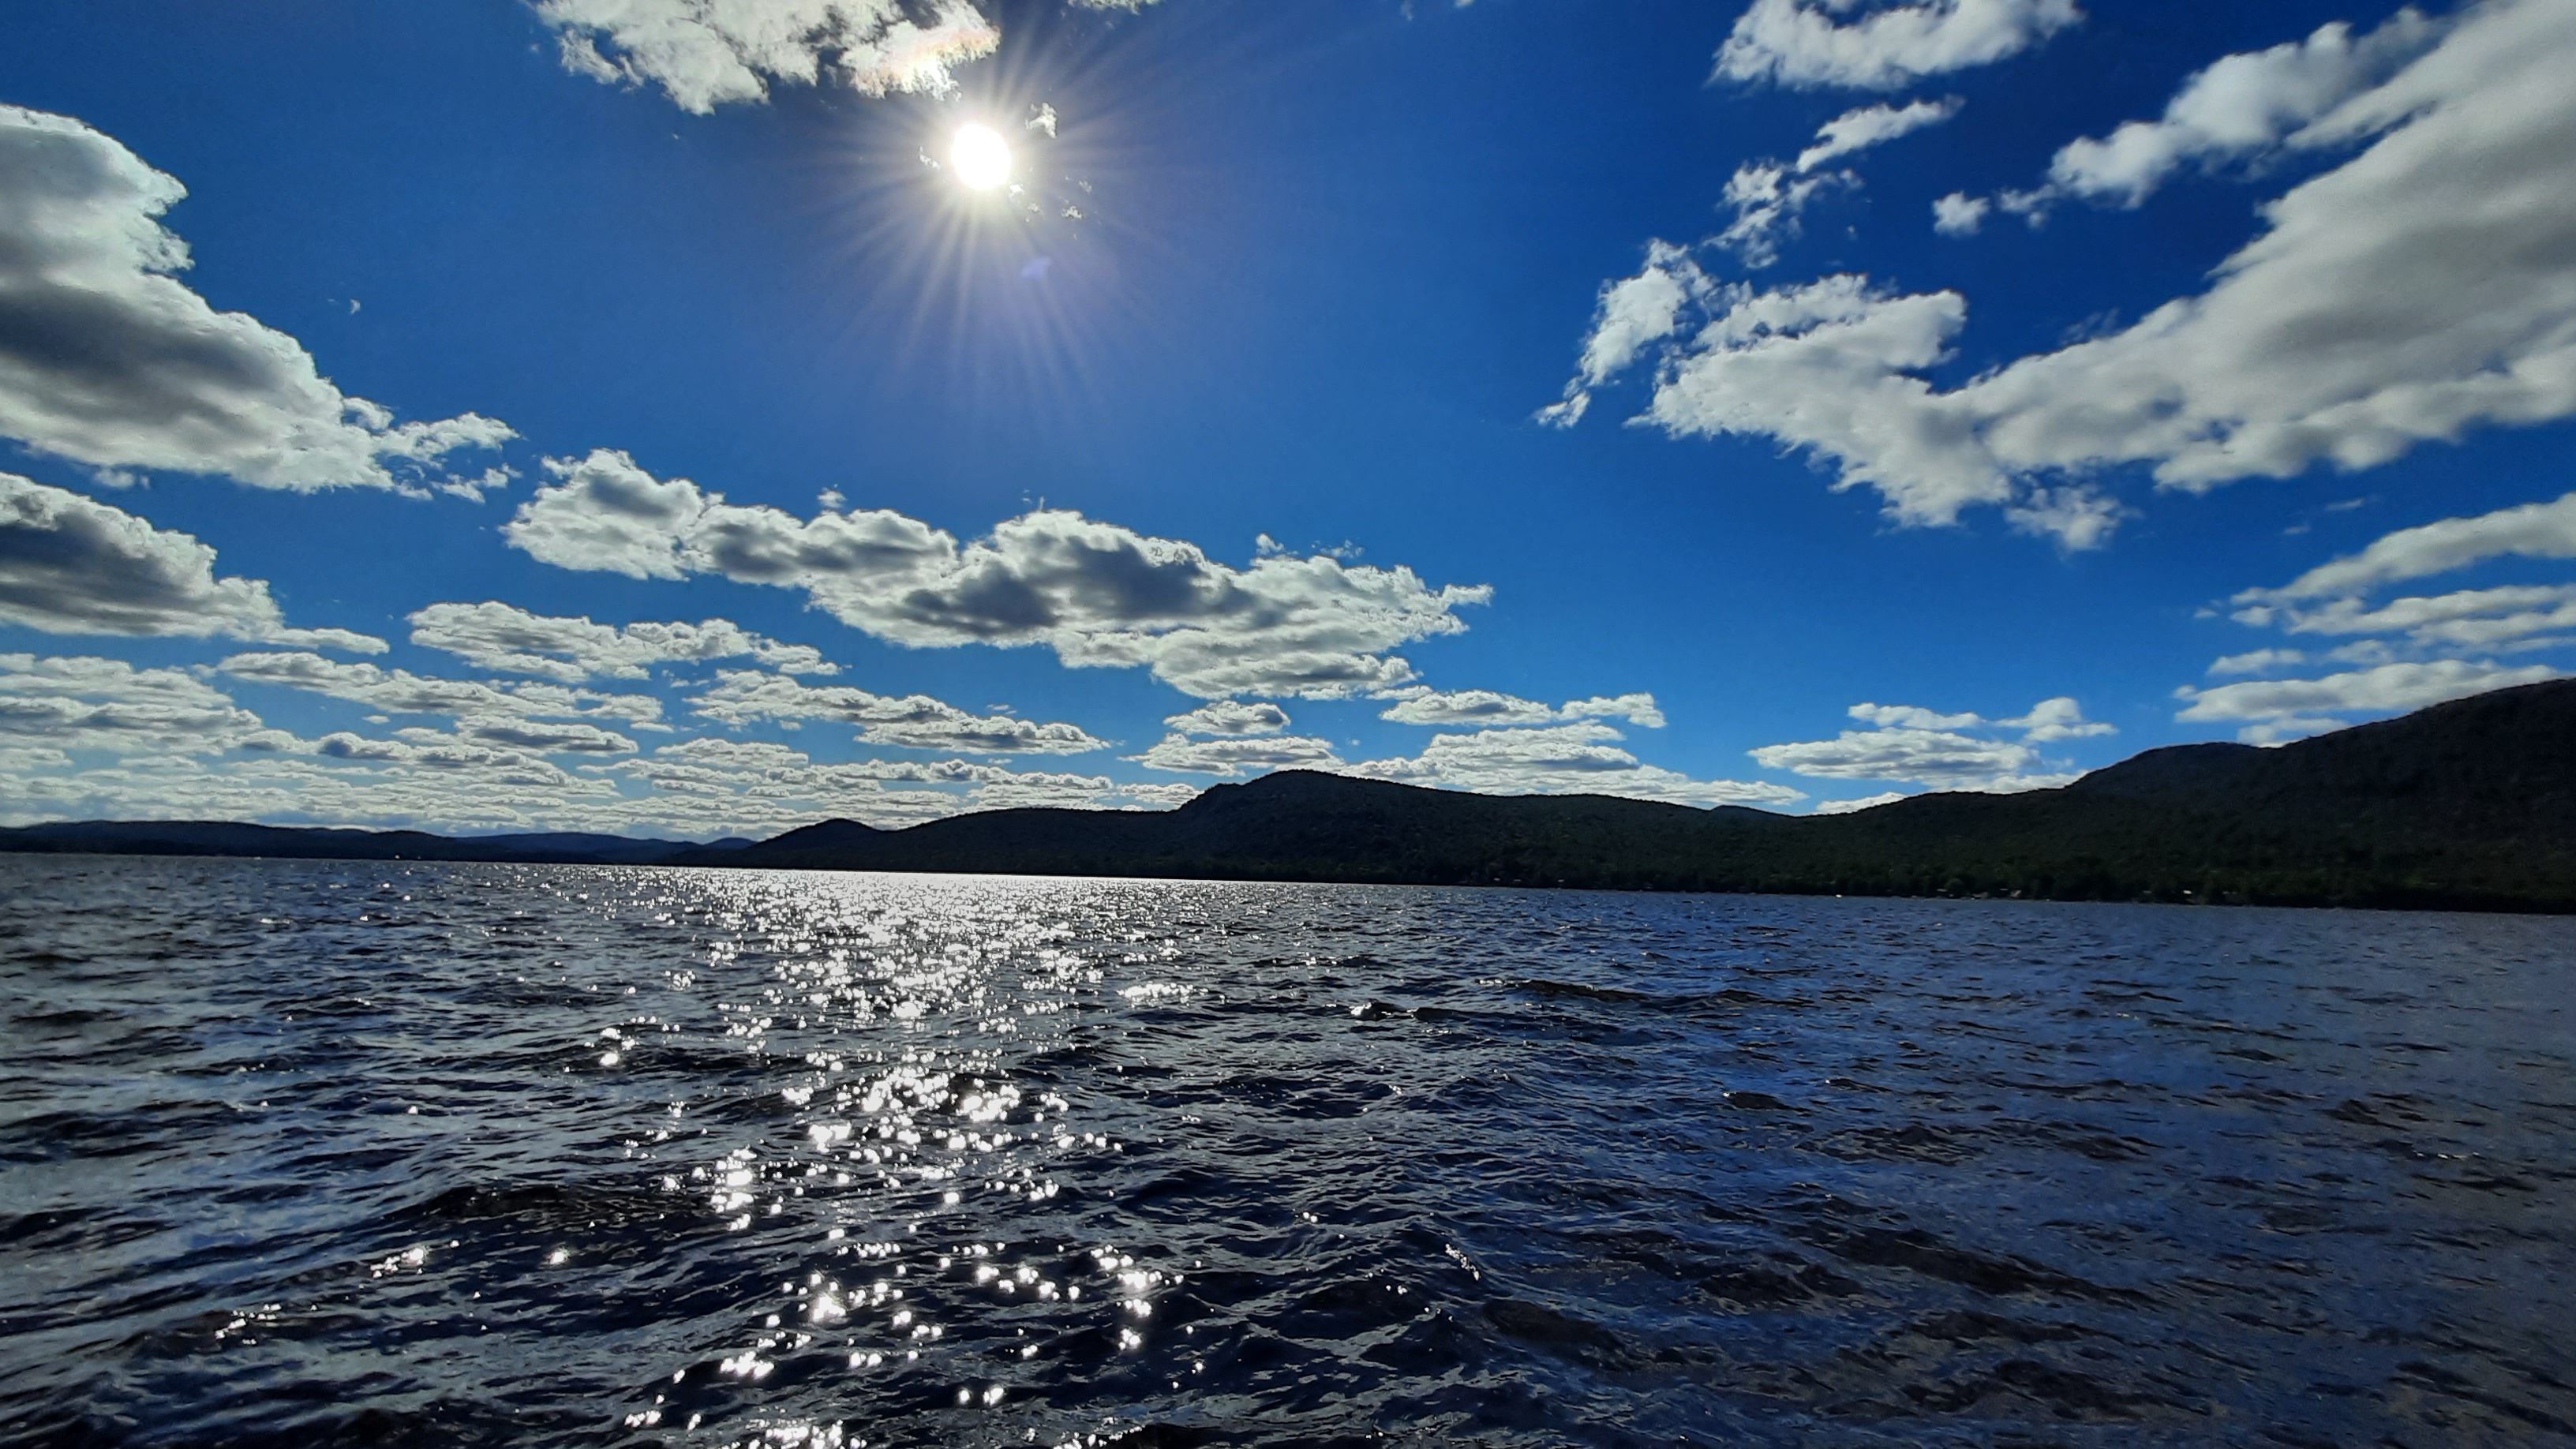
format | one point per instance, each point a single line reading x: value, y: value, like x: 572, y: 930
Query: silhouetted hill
x: 2470, y: 804
x: 215, y: 837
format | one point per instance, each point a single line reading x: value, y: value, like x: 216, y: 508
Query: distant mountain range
x: 2468, y: 805
x: 218, y: 837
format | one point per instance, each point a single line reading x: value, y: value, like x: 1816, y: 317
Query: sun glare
x: 980, y: 157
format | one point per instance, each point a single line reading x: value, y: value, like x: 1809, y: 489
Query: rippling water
x: 318, y: 1153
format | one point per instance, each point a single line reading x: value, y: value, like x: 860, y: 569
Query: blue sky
x: 1786, y: 405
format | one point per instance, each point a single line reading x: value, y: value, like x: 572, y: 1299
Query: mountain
x: 209, y: 837
x: 2470, y: 805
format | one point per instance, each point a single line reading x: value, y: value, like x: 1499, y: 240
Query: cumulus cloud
x: 2278, y: 709
x: 1802, y: 43
x: 106, y: 359
x: 80, y: 702
x: 1858, y: 130
x: 441, y: 781
x: 2514, y: 616
x: 1911, y: 717
x: 2335, y: 598
x: 2075, y: 516
x: 1633, y: 314
x: 1233, y: 738
x: 511, y: 640
x: 1926, y: 747
x: 1237, y: 755
x: 2059, y: 718
x: 546, y: 736
x: 1566, y: 759
x: 161, y: 743
x: 786, y: 786
x: 1959, y: 214
x: 2528, y: 530
x: 1095, y: 593
x: 1827, y: 366
x: 1525, y: 747
x: 1943, y: 759
x: 2241, y: 109
x: 1768, y: 199
x: 70, y: 564
x: 707, y: 53
x: 917, y: 721
x: 1857, y: 802
x: 1230, y: 719
x: 2412, y: 292
x: 1420, y: 706
x: 2415, y: 649
x: 2257, y: 661
x: 399, y: 691
x: 1769, y: 196
x: 1636, y: 316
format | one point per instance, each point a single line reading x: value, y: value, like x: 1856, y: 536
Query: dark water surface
x: 315, y: 1153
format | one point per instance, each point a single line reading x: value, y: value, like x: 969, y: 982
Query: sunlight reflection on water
x: 310, y: 1152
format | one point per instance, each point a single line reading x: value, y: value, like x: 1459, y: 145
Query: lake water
x: 316, y: 1153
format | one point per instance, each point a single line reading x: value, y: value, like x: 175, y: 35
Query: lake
x: 319, y: 1153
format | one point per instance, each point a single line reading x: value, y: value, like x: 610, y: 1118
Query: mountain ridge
x: 2469, y: 804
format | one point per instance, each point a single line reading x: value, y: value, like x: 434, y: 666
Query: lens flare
x: 980, y: 157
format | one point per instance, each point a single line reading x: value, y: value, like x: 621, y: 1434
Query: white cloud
x: 916, y: 721
x: 1235, y: 755
x: 106, y: 359
x: 70, y: 564
x: 460, y: 786
x: 80, y: 702
x: 1769, y: 196
x: 162, y: 743
x: 237, y: 770
x: 2507, y: 617
x: 1858, y: 130
x: 1827, y: 366
x: 1768, y: 199
x: 1634, y: 314
x: 2257, y: 661
x: 2414, y: 291
x: 545, y: 736
x: 1926, y: 747
x: 1527, y: 748
x: 2414, y: 649
x: 1959, y: 214
x: 503, y: 637
x: 2286, y: 708
x: 791, y: 789
x: 2076, y: 516
x: 707, y: 53
x: 1911, y: 717
x: 1095, y: 593
x: 2058, y: 718
x: 1229, y: 718
x: 399, y: 691
x: 2240, y: 108
x: 1801, y: 43
x: 1940, y: 758
x: 2528, y: 530
x: 1419, y: 706
x: 1857, y: 802
x: 1567, y: 759
x: 1637, y: 708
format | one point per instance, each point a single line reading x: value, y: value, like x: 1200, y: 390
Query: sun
x: 980, y: 157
